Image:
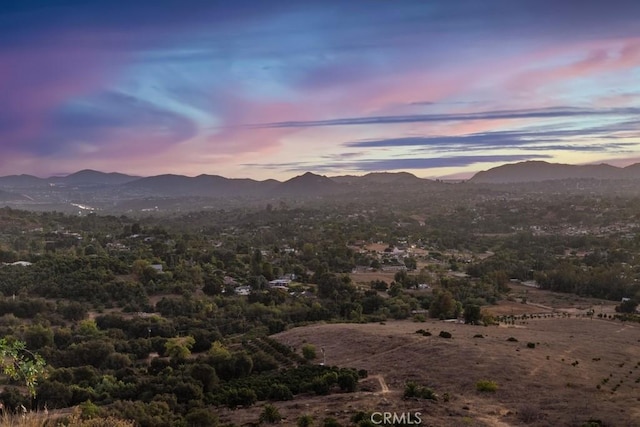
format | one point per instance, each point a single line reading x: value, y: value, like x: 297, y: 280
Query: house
x: 20, y: 263
x: 279, y: 282
x: 243, y: 290
x: 157, y: 267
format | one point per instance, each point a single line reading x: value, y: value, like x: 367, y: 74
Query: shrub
x: 348, y: 381
x: 270, y: 414
x: 410, y: 390
x: 201, y: 417
x: 320, y: 386
x: 413, y: 390
x: 486, y: 386
x: 75, y: 420
x: 427, y: 393
x: 280, y: 392
x: 305, y: 421
x: 512, y: 339
x: 330, y: 422
x: 531, y: 345
x: 478, y: 336
x: 444, y: 334
x: 309, y: 351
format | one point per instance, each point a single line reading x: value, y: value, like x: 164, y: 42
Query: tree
x: 38, y: 336
x: 627, y: 306
x: 201, y: 417
x: 179, y: 347
x: 410, y: 263
x: 19, y: 363
x: 243, y: 364
x: 348, y: 381
x: 443, y: 305
x: 472, y: 314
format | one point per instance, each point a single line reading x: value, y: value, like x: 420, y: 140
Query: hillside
x: 536, y: 171
x: 88, y: 177
x: 554, y: 383
x: 307, y: 184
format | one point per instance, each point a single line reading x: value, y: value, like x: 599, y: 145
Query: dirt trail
x: 383, y: 384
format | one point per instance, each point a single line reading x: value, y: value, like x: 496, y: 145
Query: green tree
x: 38, y: 336
x: 348, y: 381
x: 179, y: 347
x: 443, y: 305
x: 627, y: 306
x: 472, y: 314
x: 21, y: 364
x: 410, y: 263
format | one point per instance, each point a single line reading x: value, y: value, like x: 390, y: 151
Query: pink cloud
x: 598, y: 58
x: 231, y: 137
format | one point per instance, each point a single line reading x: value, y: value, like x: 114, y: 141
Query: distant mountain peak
x: 307, y: 183
x: 90, y: 177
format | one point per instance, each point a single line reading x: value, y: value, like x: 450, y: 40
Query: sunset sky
x: 272, y: 89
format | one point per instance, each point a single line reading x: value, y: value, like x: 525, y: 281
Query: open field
x: 557, y: 299
x: 555, y: 383
x: 543, y: 385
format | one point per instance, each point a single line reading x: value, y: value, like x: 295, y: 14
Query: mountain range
x: 206, y: 185
x: 110, y: 190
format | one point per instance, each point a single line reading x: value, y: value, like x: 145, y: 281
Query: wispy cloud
x: 111, y: 122
x: 533, y: 139
x: 368, y: 165
x: 541, y: 113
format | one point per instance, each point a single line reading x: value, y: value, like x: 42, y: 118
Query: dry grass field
x: 536, y: 386
x: 580, y: 369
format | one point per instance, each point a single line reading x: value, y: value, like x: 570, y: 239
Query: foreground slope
x: 580, y: 369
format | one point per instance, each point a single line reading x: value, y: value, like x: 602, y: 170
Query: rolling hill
x: 536, y: 171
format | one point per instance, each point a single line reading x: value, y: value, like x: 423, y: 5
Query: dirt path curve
x: 383, y: 384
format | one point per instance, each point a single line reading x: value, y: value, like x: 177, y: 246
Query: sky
x: 272, y: 89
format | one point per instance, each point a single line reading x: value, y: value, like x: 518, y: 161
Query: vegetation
x: 413, y: 390
x: 159, y: 319
x: 486, y: 386
x: 270, y: 414
x: 309, y: 351
x: 20, y: 364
